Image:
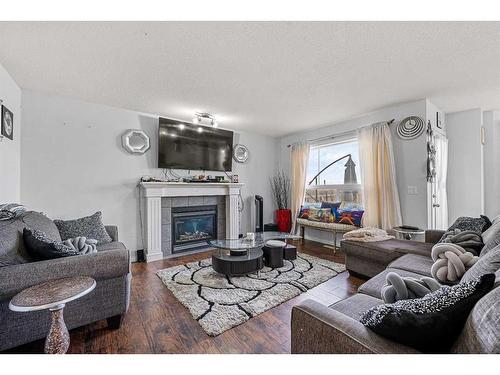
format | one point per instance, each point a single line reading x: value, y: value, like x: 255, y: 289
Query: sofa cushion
x: 433, y: 323
x: 394, y: 245
x: 491, y: 236
x: 11, y: 237
x: 115, y: 245
x: 373, y: 287
x: 38, y: 221
x: 482, y: 329
x: 42, y: 247
x: 414, y: 263
x: 475, y: 224
x: 88, y: 226
x: 356, y: 305
x: 488, y: 263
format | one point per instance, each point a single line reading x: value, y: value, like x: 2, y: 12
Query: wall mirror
x: 240, y: 153
x: 135, y: 141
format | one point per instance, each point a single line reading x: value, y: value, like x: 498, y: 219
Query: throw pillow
x: 304, y: 213
x: 41, y: 247
x: 350, y: 218
x: 323, y: 215
x: 475, y: 224
x: 89, y: 226
x: 334, y: 206
x: 488, y: 263
x: 432, y: 323
x: 491, y: 236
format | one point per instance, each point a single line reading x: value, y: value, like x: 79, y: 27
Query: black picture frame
x: 7, y: 123
x: 438, y: 121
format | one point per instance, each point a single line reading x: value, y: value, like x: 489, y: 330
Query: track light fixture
x: 200, y: 116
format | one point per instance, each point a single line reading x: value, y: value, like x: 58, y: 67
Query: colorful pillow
x: 306, y: 207
x: 350, y: 217
x: 323, y: 215
x: 304, y: 213
x: 334, y: 206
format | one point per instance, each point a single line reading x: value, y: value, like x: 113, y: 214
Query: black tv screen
x: 183, y: 145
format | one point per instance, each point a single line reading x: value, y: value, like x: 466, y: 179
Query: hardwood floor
x: 157, y: 323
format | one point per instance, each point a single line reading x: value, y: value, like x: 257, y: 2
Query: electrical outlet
x: 412, y: 190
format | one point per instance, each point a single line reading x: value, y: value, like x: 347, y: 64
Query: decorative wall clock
x: 410, y: 128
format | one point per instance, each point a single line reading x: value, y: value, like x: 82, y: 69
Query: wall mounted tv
x: 183, y: 145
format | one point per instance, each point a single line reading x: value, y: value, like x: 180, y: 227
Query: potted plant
x: 280, y: 187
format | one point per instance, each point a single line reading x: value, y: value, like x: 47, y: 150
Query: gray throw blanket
x: 82, y: 244
x: 11, y: 210
x: 470, y: 241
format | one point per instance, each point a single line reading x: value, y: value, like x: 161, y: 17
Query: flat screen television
x: 183, y: 145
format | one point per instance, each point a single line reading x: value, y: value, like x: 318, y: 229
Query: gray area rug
x: 219, y: 302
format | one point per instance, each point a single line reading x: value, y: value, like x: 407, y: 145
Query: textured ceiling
x: 273, y: 78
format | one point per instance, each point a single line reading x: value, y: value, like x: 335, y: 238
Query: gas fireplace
x: 192, y: 227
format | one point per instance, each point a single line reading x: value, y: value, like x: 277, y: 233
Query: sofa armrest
x: 433, y: 235
x: 112, y: 231
x: 101, y: 265
x: 319, y: 329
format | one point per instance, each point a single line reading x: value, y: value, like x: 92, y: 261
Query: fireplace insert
x: 192, y: 227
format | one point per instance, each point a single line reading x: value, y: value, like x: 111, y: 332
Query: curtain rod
x: 336, y: 135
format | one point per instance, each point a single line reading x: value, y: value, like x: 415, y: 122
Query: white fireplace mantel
x: 152, y: 193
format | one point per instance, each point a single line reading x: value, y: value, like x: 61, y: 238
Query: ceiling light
x: 200, y: 116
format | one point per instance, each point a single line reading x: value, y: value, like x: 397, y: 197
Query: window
x: 330, y: 185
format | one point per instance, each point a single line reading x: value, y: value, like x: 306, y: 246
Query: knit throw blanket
x: 367, y: 235
x: 82, y: 244
x: 468, y: 240
x: 11, y: 211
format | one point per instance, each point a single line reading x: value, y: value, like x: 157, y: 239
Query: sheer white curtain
x: 378, y: 171
x: 441, y: 212
x: 299, y: 158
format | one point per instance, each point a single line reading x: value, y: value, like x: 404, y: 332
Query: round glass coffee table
x: 236, y: 257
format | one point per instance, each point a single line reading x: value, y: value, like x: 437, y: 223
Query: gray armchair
x: 110, y: 267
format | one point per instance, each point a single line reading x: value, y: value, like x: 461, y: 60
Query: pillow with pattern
x: 89, y: 226
x: 432, y: 323
x: 334, y: 206
x: 350, y: 218
x: 41, y: 247
x: 475, y: 224
x: 323, y: 215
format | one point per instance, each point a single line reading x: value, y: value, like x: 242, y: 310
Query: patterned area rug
x: 219, y: 303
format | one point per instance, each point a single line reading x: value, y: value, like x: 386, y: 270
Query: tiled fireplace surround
x: 158, y: 199
x: 167, y: 203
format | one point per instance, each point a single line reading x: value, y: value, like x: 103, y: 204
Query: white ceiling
x: 272, y: 78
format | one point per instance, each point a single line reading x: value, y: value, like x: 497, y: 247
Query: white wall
x: 10, y: 150
x: 410, y: 157
x: 73, y: 163
x: 491, y: 123
x: 465, y: 164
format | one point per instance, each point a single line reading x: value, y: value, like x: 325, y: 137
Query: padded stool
x: 273, y: 253
x: 290, y: 252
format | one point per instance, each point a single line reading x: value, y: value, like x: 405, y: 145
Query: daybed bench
x: 334, y: 228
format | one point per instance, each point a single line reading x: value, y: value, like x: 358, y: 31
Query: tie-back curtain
x: 299, y: 158
x: 378, y: 171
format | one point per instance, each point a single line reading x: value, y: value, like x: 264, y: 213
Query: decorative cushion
x: 491, y: 236
x: 475, y: 224
x: 323, y: 215
x: 488, y: 263
x: 41, y: 247
x: 89, y: 226
x: 304, y: 213
x: 39, y: 221
x: 450, y: 262
x: 430, y: 324
x: 399, y: 288
x: 334, y: 206
x: 350, y: 217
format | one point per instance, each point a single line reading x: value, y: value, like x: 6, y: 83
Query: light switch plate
x: 412, y: 190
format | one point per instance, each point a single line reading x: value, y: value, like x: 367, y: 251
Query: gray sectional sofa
x: 110, y: 267
x: 336, y: 329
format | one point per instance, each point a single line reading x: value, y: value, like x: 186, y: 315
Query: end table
x: 53, y: 296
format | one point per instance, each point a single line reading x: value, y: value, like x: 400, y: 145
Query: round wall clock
x: 240, y: 153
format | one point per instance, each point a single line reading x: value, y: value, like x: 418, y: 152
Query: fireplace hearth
x: 192, y: 227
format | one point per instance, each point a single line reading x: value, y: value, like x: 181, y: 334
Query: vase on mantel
x: 284, y: 220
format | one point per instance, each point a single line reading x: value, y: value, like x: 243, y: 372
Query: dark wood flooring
x: 157, y: 323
